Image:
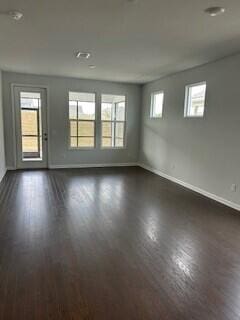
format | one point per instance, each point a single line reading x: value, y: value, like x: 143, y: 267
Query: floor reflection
x: 32, y: 205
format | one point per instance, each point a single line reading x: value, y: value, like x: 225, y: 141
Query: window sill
x: 113, y: 148
x: 81, y: 148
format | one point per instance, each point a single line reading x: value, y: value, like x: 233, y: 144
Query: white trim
x: 193, y: 188
x: 4, y: 172
x: 159, y: 173
x: 14, y: 127
x: 153, y: 105
x: 94, y: 165
x: 114, y: 121
x: 46, y: 87
x: 10, y: 168
x: 78, y: 120
x: 186, y: 99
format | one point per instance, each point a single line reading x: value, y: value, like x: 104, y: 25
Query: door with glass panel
x: 31, y: 127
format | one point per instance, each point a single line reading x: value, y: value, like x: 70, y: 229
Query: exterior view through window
x: 82, y: 119
x: 157, y: 104
x: 31, y: 129
x: 113, y: 121
x: 195, y: 100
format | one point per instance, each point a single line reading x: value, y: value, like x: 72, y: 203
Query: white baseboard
x: 11, y: 168
x: 95, y: 165
x: 162, y: 174
x: 193, y: 188
x: 4, y: 172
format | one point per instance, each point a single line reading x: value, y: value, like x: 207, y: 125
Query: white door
x: 31, y: 127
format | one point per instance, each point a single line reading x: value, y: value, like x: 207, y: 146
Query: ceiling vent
x: 83, y: 55
x: 15, y: 15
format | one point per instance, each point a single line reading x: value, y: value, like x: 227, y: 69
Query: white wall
x: 204, y: 153
x: 58, y: 119
x: 2, y: 153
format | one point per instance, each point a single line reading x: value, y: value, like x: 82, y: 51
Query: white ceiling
x: 130, y: 41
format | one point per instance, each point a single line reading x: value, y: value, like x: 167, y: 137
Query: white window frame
x: 152, y: 104
x: 69, y: 123
x: 114, y: 122
x: 187, y: 101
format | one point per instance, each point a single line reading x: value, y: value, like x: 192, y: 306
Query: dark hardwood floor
x: 114, y: 243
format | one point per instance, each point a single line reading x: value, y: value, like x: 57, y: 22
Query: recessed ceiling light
x: 84, y: 55
x: 215, y: 11
x: 16, y: 15
x: 92, y: 66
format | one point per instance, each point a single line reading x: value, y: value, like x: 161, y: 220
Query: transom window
x: 157, y: 99
x: 82, y: 119
x: 195, y: 100
x: 113, y: 121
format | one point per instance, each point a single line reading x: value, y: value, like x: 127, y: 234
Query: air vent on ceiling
x: 83, y: 55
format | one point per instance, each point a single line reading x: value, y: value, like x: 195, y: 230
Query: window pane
x: 107, y: 142
x: 107, y: 129
x: 73, y: 128
x: 30, y: 100
x: 196, y: 100
x: 73, y: 110
x: 119, y: 143
x: 29, y: 144
x: 113, y: 109
x: 29, y: 122
x: 86, y: 110
x: 86, y: 128
x: 85, y: 142
x: 31, y: 95
x: 86, y: 105
x: 82, y: 96
x: 82, y: 107
x: 107, y: 111
x: 29, y: 103
x: 119, y: 130
x: 31, y: 131
x: 73, y: 142
x: 157, y: 105
x: 120, y: 111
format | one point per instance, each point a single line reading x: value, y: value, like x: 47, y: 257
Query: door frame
x: 33, y: 86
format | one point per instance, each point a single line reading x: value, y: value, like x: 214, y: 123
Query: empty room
x: 120, y: 160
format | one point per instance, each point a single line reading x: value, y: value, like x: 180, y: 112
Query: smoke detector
x: 15, y: 15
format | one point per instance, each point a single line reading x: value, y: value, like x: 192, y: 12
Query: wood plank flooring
x: 114, y: 243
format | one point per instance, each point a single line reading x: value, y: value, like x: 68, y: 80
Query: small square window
x: 157, y: 104
x: 195, y: 100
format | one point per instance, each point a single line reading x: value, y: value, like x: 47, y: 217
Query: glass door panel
x: 31, y: 127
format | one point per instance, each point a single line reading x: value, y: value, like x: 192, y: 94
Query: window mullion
x: 115, y: 118
x: 38, y: 131
x: 77, y: 123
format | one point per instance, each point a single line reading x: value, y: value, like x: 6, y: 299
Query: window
x: 157, y: 104
x: 82, y: 119
x: 31, y: 129
x: 195, y: 100
x: 113, y: 121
